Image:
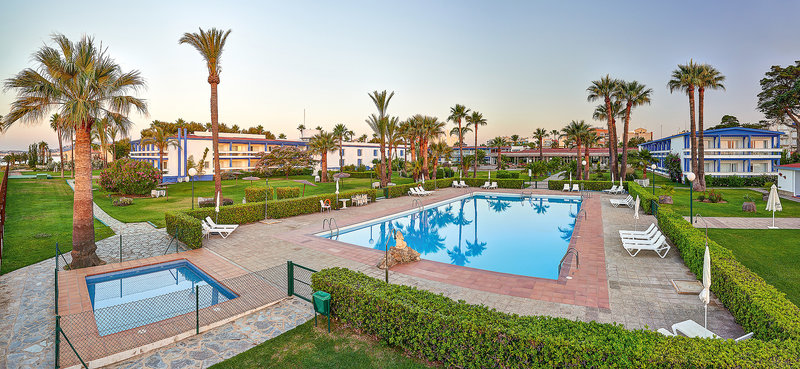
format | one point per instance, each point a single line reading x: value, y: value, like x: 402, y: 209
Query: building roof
x: 732, y: 131
x: 795, y: 166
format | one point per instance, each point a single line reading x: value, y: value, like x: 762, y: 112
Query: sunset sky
x: 522, y: 64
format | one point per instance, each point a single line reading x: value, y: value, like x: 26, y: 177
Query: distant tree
x: 282, y: 136
x: 604, y: 89
x: 574, y: 132
x: 200, y: 166
x: 284, y: 159
x: 56, y: 122
x: 301, y: 128
x: 160, y: 138
x: 322, y: 144
x: 269, y: 135
x: 632, y: 94
x: 33, y: 155
x: 44, y: 152
x: 378, y: 125
x: 458, y: 113
x: 339, y: 132
x: 474, y: 121
x: 362, y: 138
x: 636, y: 141
x: 779, y: 98
x: 539, y: 134
x: 514, y: 140
x: 555, y: 134
x: 121, y: 148
x: 498, y: 142
x: 439, y: 150
x: 685, y: 79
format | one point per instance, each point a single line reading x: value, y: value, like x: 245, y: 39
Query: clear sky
x: 522, y: 64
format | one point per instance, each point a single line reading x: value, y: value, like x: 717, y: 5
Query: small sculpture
x: 399, y: 242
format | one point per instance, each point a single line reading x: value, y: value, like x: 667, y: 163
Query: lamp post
x: 653, y: 172
x: 192, y: 173
x: 530, y: 178
x: 586, y: 175
x: 266, y: 194
x: 690, y: 176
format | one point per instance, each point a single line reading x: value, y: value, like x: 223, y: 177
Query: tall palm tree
x: 301, y: 128
x: 378, y: 124
x: 632, y: 94
x: 457, y: 114
x: 555, y: 134
x: 604, y: 89
x: 540, y: 134
x: 322, y: 143
x: 210, y: 44
x: 514, y: 139
x: 339, y: 131
x: 56, y: 122
x: 392, y: 141
x: 474, y: 121
x: 498, y: 142
x: 684, y: 79
x: 83, y: 83
x: 100, y: 132
x: 44, y: 151
x: 601, y: 114
x: 575, y: 131
x: 432, y: 128
x: 160, y: 137
x: 589, y: 139
x: 708, y: 77
x: 439, y: 150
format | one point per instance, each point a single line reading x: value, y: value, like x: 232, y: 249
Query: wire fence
x: 133, y: 312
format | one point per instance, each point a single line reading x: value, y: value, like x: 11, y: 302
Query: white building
x: 789, y: 179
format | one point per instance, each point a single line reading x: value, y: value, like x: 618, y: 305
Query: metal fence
x: 186, y: 310
x: 299, y: 281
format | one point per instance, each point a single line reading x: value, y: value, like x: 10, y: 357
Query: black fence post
x: 290, y: 277
x: 197, y: 309
x: 58, y: 341
x: 120, y: 248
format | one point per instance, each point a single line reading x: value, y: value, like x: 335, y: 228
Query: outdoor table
x: 690, y: 328
x: 344, y: 203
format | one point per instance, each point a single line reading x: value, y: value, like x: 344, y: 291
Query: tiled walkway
x: 639, y: 289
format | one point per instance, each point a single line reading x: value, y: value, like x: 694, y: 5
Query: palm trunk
x: 215, y: 138
x: 324, y: 163
x: 72, y: 157
x: 612, y: 147
x: 384, y: 182
x: 578, y: 160
x: 60, y: 150
x: 413, y: 160
x: 701, y: 155
x: 614, y: 140
x: 796, y: 121
x: 161, y: 162
x: 475, y: 162
x: 113, y: 149
x: 624, y: 166
x: 461, y: 148
x: 83, y: 247
x: 586, y: 156
x: 541, y: 149
x: 423, y: 151
x: 389, y: 169
x: 499, y: 157
x: 341, y: 155
x: 693, y: 138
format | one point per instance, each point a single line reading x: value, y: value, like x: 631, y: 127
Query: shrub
x: 444, y: 172
x: 701, y: 197
x: 714, y: 196
x: 185, y: 228
x: 212, y: 202
x: 673, y: 164
x: 646, y: 197
x: 457, y: 334
x: 129, y: 177
x: 122, y: 201
x: 586, y: 185
x: 310, y: 204
x: 257, y: 193
x: 361, y: 174
x: 287, y: 192
x: 736, y: 181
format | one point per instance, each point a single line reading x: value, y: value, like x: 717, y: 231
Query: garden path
x: 747, y: 223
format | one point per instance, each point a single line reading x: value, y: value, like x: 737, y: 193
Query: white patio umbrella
x: 337, y: 190
x: 705, y: 294
x: 774, y: 203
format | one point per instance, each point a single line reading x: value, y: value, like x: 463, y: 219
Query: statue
x: 399, y: 242
x: 400, y: 253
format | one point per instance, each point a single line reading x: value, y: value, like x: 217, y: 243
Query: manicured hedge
x: 558, y: 185
x: 736, y: 181
x: 645, y: 195
x: 256, y: 193
x: 310, y: 204
x: 190, y: 231
x: 502, y: 183
x: 186, y: 228
x: 457, y: 334
x: 287, y: 192
x: 369, y: 174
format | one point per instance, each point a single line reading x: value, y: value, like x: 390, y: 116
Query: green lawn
x: 67, y: 173
x: 770, y: 253
x: 180, y: 196
x: 735, y: 198
x: 310, y: 347
x: 39, y: 214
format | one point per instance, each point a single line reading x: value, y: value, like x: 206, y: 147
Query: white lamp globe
x: 690, y: 176
x: 653, y: 167
x: 192, y: 172
x: 583, y: 162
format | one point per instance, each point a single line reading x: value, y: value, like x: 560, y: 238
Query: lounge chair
x: 652, y: 235
x: 324, y: 205
x: 690, y: 328
x: 659, y: 245
x: 423, y: 191
x: 462, y: 184
x: 455, y: 184
x: 566, y: 188
x: 627, y: 202
x: 215, y: 225
x: 637, y: 234
x: 493, y: 186
x: 665, y: 332
x: 613, y: 189
x: 207, y: 229
x: 576, y: 188
x: 486, y: 185
x: 418, y: 191
x: 620, y: 190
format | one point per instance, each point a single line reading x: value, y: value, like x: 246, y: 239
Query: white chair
x: 463, y: 184
x: 376, y: 184
x: 613, y: 189
x: 627, y: 202
x: 665, y: 332
x: 456, y: 184
x: 690, y: 328
x: 323, y: 206
x: 659, y: 245
x: 316, y: 178
x: 414, y: 191
x: 745, y: 337
x: 423, y: 191
x: 486, y: 185
x: 620, y: 190
x: 224, y: 232
x: 566, y: 187
x: 493, y: 186
x: 576, y: 188
x: 630, y: 234
x: 644, y: 237
x: 215, y: 225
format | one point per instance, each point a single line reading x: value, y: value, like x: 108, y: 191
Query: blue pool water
x: 135, y: 297
x: 501, y: 233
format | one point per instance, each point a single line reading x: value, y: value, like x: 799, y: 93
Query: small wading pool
x: 491, y: 231
x: 132, y: 298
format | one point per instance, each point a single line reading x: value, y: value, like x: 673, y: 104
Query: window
x: 730, y: 144
x: 359, y: 160
x: 374, y: 152
x: 342, y: 151
x: 709, y: 166
x: 760, y: 167
x: 730, y: 167
x: 402, y: 153
x: 359, y: 154
x: 759, y: 144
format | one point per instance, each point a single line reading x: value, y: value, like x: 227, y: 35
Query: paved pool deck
x: 636, y: 292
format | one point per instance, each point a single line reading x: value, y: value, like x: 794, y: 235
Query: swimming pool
x: 497, y: 232
x: 136, y: 297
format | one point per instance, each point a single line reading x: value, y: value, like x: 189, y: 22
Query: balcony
x: 744, y: 153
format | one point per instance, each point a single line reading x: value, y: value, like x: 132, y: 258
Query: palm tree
x: 589, y: 139
x: 431, y: 128
x: 540, y: 134
x: 632, y: 94
x: 210, y: 44
x: 44, y: 150
x: 301, y: 128
x: 457, y: 113
x: 378, y: 124
x: 708, y: 77
x: 474, y: 121
x: 56, y: 123
x: 555, y: 134
x: 362, y: 138
x: 100, y: 132
x: 83, y: 84
x: 159, y: 137
x: 339, y: 131
x: 604, y: 88
x: 439, y: 150
x: 684, y: 79
x: 392, y: 141
x: 322, y: 143
x: 645, y: 158
x: 575, y: 131
x: 498, y: 142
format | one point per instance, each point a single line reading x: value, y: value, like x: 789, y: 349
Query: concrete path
x: 746, y: 223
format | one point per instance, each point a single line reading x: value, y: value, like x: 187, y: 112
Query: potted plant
x: 666, y: 198
x: 749, y: 204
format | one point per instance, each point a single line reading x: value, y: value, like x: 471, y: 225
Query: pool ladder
x: 333, y: 227
x: 570, y: 250
x: 418, y: 204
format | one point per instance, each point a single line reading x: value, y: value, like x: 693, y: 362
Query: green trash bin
x: 322, y: 305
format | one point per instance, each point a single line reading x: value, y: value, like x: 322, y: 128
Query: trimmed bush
x: 122, y: 201
x: 736, y: 181
x: 212, y: 202
x: 129, y: 177
x: 287, y: 192
x: 369, y: 174
x: 646, y: 196
x: 457, y: 334
x: 257, y: 193
x: 186, y: 228
x: 310, y: 204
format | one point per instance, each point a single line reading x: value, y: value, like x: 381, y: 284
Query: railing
x: 570, y: 250
x: 3, y: 191
x: 418, y: 204
x: 331, y: 223
x: 299, y: 274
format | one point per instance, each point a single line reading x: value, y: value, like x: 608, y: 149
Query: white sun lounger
x: 462, y: 184
x: 629, y: 233
x: 486, y: 185
x: 613, y: 189
x: 659, y: 245
x: 215, y: 225
x: 566, y: 188
x: 493, y: 186
x: 652, y: 235
x: 627, y: 202
x: 224, y: 232
x: 456, y: 185
x: 690, y: 328
x: 576, y: 188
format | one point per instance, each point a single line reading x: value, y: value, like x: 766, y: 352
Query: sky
x: 523, y: 64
